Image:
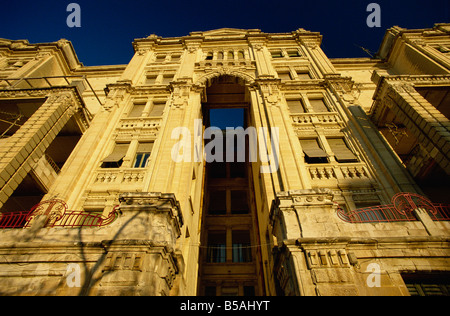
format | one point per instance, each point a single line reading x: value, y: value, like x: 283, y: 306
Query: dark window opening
x: 216, y: 248
x: 239, y: 202
x: 217, y: 202
x: 241, y: 246
x: 427, y: 284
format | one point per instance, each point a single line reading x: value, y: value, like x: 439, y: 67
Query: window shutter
x: 318, y: 105
x: 145, y: 147
x: 284, y: 75
x: 311, y: 148
x: 157, y: 109
x: 341, y: 152
x: 137, y: 110
x: 295, y: 106
x: 120, y: 150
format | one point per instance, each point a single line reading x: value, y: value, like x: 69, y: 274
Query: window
x: 427, y: 284
x: 293, y: 53
x: 219, y: 55
x: 285, y: 75
x: 209, y: 56
x: 142, y: 155
x: 151, y: 79
x: 313, y: 152
x: 230, y: 55
x: 341, y: 151
x: 160, y: 58
x: 222, y: 202
x: 115, y: 159
x: 176, y: 57
x: 217, y: 202
x: 167, y: 78
x: 137, y: 109
x: 295, y: 106
x: 303, y: 75
x: 318, y: 105
x: 158, y: 108
x: 241, y: 246
x: 239, y: 202
x: 216, y: 247
x: 241, y: 55
x: 276, y: 53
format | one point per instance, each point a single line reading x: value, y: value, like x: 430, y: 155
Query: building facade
x: 332, y: 177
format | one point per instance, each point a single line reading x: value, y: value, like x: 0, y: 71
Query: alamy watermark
x: 74, y: 18
x: 73, y: 275
x: 374, y: 278
x: 374, y: 18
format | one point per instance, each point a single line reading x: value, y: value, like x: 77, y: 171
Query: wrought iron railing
x: 14, y: 219
x: 401, y: 209
x: 57, y: 215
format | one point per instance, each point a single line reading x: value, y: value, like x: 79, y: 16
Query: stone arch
x: 205, y: 80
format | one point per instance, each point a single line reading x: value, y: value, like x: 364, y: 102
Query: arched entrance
x: 230, y: 256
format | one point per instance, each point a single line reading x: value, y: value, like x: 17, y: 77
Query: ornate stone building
x: 114, y: 181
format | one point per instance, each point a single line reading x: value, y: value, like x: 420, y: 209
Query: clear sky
x: 109, y: 27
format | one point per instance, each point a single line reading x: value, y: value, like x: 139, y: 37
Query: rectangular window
x: 295, y: 106
x: 285, y: 75
x: 160, y: 58
x: 176, y: 57
x: 241, y: 246
x: 276, y: 53
x: 216, y: 247
x: 427, y: 284
x: 115, y: 159
x: 167, y: 78
x: 303, y: 75
x: 143, y: 154
x: 239, y: 202
x: 313, y: 152
x: 217, y: 202
x: 137, y: 109
x: 318, y: 105
x: 157, y: 109
x: 341, y: 151
x: 293, y: 53
x: 151, y: 79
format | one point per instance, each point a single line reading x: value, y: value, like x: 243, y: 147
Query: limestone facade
x: 94, y: 203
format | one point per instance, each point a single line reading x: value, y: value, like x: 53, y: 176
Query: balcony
x: 401, y: 210
x: 316, y: 118
x: 57, y: 215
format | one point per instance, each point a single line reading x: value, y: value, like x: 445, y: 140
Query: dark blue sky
x: 109, y: 27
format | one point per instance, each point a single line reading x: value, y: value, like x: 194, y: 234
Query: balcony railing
x: 401, y: 210
x: 57, y: 216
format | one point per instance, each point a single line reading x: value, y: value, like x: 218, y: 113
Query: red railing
x: 401, y: 209
x: 14, y: 219
x: 57, y: 215
x: 83, y: 219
